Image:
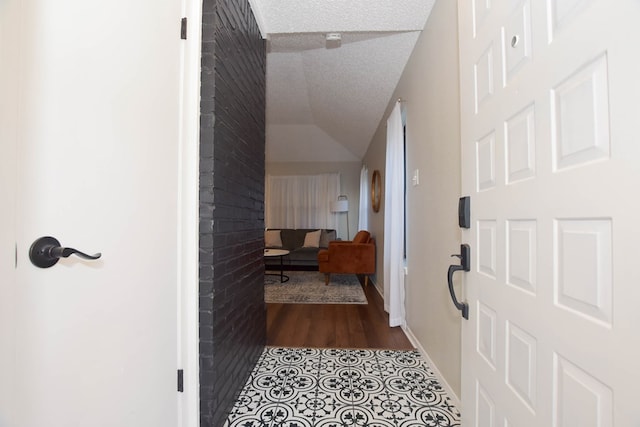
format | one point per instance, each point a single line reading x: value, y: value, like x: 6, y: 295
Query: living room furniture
x: 357, y: 256
x: 302, y: 243
x: 280, y: 253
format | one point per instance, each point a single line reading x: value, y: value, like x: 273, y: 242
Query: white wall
x: 429, y: 87
x: 299, y: 143
x: 349, y: 181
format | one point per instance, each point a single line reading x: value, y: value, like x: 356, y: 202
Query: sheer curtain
x: 363, y: 211
x: 394, y: 219
x: 301, y: 201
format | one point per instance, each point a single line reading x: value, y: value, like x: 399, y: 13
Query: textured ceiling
x: 325, y: 104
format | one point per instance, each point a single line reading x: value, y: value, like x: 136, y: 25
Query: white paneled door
x: 550, y: 111
x: 90, y: 148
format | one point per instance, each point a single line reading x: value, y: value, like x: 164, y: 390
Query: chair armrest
x: 350, y: 258
x: 342, y: 249
x: 339, y: 242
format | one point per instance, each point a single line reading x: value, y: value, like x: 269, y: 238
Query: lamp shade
x: 340, y: 206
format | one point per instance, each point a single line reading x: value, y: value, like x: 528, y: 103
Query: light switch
x: 416, y: 177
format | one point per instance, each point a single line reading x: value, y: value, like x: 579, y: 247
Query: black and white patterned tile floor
x: 303, y: 387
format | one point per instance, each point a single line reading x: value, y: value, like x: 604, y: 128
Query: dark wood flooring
x: 334, y: 325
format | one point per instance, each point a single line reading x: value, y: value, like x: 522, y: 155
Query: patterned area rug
x: 303, y: 387
x: 307, y: 287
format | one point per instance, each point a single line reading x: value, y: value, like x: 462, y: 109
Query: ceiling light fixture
x: 333, y: 40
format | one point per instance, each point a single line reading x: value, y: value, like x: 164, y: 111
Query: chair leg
x: 326, y: 278
x: 366, y: 280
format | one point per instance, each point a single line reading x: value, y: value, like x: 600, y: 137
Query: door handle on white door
x: 465, y: 265
x: 46, y: 251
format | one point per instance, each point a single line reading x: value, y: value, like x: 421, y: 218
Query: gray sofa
x: 299, y: 257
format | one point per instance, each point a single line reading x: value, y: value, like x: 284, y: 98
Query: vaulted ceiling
x: 324, y: 104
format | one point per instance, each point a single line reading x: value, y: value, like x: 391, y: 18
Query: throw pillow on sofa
x: 272, y: 239
x: 326, y: 237
x: 312, y: 239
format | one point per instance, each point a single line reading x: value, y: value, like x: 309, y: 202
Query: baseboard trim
x: 375, y: 285
x: 453, y: 396
x: 414, y: 341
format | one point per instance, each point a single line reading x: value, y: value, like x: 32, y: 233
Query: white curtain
x: 363, y: 211
x: 301, y: 201
x: 394, y: 219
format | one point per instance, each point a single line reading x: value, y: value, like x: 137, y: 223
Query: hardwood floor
x: 334, y: 325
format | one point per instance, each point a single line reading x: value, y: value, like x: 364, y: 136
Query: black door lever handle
x: 46, y: 251
x: 465, y: 265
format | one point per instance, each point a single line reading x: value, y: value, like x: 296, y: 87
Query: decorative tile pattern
x: 304, y: 387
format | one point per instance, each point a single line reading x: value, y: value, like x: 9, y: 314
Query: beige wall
x: 349, y: 181
x: 429, y: 87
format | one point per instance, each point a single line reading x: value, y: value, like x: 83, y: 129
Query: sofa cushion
x: 292, y: 238
x: 293, y: 241
x: 312, y: 239
x: 326, y: 236
x: 272, y: 239
x: 304, y: 254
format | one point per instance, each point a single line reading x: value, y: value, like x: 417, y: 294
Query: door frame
x: 188, y: 238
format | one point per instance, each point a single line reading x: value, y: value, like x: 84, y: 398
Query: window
x: 301, y: 201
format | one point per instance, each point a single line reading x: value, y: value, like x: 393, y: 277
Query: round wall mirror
x: 376, y: 191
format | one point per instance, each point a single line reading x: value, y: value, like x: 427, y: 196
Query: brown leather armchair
x: 357, y: 256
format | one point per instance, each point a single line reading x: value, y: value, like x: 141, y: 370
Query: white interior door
x: 550, y: 113
x: 94, y: 137
x: 9, y: 78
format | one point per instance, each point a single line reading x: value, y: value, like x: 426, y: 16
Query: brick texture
x: 232, y: 135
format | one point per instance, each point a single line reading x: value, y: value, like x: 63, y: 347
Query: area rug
x: 307, y: 287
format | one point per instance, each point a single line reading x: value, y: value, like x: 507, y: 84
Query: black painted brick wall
x: 232, y: 135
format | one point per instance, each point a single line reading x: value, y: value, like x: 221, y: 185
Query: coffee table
x: 281, y: 253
